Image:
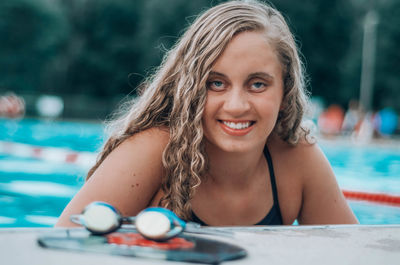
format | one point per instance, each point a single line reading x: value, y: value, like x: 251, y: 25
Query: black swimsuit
x: 274, y: 216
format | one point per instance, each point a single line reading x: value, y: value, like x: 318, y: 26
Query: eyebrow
x: 217, y: 74
x: 264, y: 75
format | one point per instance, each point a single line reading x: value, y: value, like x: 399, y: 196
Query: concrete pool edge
x: 327, y: 244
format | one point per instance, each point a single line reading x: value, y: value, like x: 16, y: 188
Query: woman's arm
x: 128, y: 178
x: 323, y: 201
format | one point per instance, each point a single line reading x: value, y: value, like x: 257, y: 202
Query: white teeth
x: 237, y: 126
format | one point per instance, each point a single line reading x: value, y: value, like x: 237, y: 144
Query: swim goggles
x: 153, y: 223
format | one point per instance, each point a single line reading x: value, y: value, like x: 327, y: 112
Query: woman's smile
x: 236, y: 128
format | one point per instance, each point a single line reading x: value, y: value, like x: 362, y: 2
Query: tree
x: 31, y: 34
x: 323, y: 30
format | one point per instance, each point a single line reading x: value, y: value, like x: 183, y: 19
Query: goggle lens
x: 153, y: 223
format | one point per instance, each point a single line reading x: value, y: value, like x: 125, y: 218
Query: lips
x: 236, y: 128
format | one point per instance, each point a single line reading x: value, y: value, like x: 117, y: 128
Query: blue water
x: 34, y: 192
x: 374, y: 168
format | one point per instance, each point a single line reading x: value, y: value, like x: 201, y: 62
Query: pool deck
x: 359, y: 244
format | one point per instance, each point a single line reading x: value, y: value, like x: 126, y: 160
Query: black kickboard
x: 204, y: 251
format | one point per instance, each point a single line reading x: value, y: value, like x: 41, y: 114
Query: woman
x: 216, y: 135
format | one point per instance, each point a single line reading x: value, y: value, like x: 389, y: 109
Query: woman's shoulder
x: 304, y: 158
x: 155, y: 137
x: 306, y: 174
x: 146, y: 146
x: 158, y: 132
x: 128, y: 177
x: 301, y: 150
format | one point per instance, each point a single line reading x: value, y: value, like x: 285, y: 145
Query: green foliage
x: 31, y: 33
x: 323, y: 29
x: 103, y: 48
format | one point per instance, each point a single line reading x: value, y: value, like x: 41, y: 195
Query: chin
x: 235, y: 147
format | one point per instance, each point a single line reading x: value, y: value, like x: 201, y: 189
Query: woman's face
x: 245, y: 91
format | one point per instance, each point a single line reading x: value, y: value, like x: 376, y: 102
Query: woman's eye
x: 258, y: 86
x: 216, y: 85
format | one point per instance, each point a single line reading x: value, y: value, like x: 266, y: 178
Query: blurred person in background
x: 330, y: 121
x: 386, y: 121
x: 12, y: 106
x: 352, y: 118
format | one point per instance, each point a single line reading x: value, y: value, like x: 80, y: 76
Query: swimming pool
x: 33, y: 191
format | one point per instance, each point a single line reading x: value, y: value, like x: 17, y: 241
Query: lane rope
x: 381, y: 198
x: 51, y: 154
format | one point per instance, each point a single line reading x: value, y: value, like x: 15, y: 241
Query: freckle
x: 132, y: 186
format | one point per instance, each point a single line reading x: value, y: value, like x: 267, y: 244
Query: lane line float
x: 381, y: 198
x: 51, y: 154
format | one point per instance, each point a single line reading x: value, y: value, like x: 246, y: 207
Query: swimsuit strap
x: 274, y: 216
x: 272, y: 176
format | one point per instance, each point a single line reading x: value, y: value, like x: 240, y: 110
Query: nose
x: 236, y: 102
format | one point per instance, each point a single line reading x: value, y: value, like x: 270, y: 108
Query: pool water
x: 372, y: 168
x: 367, y: 168
x: 33, y: 192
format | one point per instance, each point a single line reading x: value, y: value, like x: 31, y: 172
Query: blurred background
x: 92, y: 53
x: 65, y: 65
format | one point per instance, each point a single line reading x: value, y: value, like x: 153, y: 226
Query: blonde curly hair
x: 175, y: 95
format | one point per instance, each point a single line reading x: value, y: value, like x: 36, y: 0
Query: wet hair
x: 175, y: 95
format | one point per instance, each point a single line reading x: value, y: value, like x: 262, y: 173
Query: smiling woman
x: 245, y: 91
x: 216, y: 135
